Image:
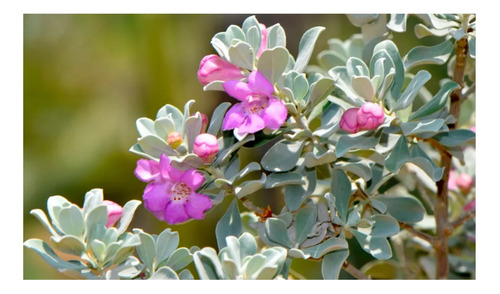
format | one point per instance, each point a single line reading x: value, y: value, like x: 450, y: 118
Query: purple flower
x: 115, y: 212
x: 349, y: 120
x: 213, y: 68
x: 370, y: 115
x: 206, y: 147
x: 171, y: 194
x: 257, y: 110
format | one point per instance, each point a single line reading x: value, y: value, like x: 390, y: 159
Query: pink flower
x: 204, y: 122
x: 471, y: 205
x: 257, y: 110
x: 171, y: 194
x: 115, y: 212
x: 370, y: 116
x: 263, y: 43
x: 349, y: 120
x: 206, y: 147
x: 213, y: 68
x: 464, y: 182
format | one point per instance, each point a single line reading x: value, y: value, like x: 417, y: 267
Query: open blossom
x: 115, y: 212
x: 206, y: 147
x: 171, y: 194
x: 370, y: 115
x: 257, y: 110
x: 349, y: 120
x: 213, y: 68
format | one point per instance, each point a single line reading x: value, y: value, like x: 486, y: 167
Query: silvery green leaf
x: 330, y: 118
x: 127, y: 215
x: 164, y: 273
x: 353, y: 218
x: 175, y: 114
x: 437, y: 102
x: 283, y: 179
x: 54, y: 206
x: 179, y: 259
x: 341, y: 190
x: 111, y: 235
x: 311, y: 159
x: 437, y: 22
x: 129, y: 242
x: 165, y: 245
x: 146, y: 250
x: 155, y: 146
x: 68, y: 244
x: 234, y: 32
x: 422, y: 160
x: 393, y: 53
x: 362, y: 19
x: 455, y: 137
x: 128, y: 269
x: 383, y: 226
x: 397, y: 22
x: 332, y: 264
x: 145, y: 126
x: 207, y: 264
x: 355, y: 141
x: 272, y: 63
x: 186, y: 275
x: 276, y: 231
x: 296, y: 194
x: 249, y: 187
x: 251, y: 167
x: 282, y: 156
x: 343, y: 82
x: 98, y: 249
x: 219, y: 44
x: 188, y: 161
x: 297, y: 253
x: 247, y: 245
x: 457, y: 34
x: 399, y: 155
x: 411, y: 91
x: 304, y: 221
x: 421, y: 126
x: 217, y: 118
x: 276, y: 36
x: 329, y: 59
x: 378, y: 247
x: 423, y: 31
x: 357, y: 67
x: 363, y: 87
x: 252, y: 31
x: 319, y: 90
x: 306, y: 47
x: 403, y: 208
x: 136, y: 149
x: 273, y: 263
x: 214, y: 86
x: 164, y: 126
x: 71, y: 220
x: 225, y: 155
x: 437, y: 54
x: 192, y: 128
x: 472, y: 47
x: 300, y: 87
x: 228, y: 225
x: 331, y: 244
x: 40, y: 215
x: 187, y: 109
x: 46, y: 252
x: 96, y: 223
x: 361, y: 168
x: 93, y: 198
x: 378, y: 205
x: 241, y: 55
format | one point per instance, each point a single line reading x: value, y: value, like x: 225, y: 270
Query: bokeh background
x: 87, y: 78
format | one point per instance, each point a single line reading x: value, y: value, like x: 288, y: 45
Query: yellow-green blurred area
x: 87, y: 78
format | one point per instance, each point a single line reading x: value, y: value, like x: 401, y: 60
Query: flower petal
x: 234, y: 117
x: 274, y: 114
x: 175, y: 213
x: 237, y: 89
x: 252, y: 124
x: 192, y: 178
x: 147, y: 170
x: 197, y: 205
x: 156, y: 196
x: 164, y: 167
x: 259, y: 84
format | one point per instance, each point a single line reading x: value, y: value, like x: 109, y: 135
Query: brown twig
x: 354, y: 271
x: 417, y: 233
x: 461, y: 220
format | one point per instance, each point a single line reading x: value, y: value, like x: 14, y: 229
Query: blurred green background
x: 87, y: 78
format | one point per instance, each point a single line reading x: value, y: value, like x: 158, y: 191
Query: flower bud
x: 206, y: 147
x: 213, y: 68
x: 370, y: 115
x: 204, y: 122
x: 263, y: 42
x: 349, y: 122
x: 115, y: 212
x: 464, y: 182
x: 174, y: 139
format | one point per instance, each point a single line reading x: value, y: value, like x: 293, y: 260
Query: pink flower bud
x: 206, y: 147
x: 349, y: 121
x: 370, y: 116
x: 174, y: 139
x: 263, y: 42
x: 204, y: 122
x: 115, y: 212
x: 464, y: 182
x: 213, y: 68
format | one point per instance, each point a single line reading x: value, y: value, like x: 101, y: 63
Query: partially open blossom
x: 171, y: 193
x: 213, y: 68
x: 464, y: 182
x: 115, y: 212
x: 349, y: 120
x: 263, y: 42
x: 206, y: 147
x: 257, y: 110
x: 370, y: 115
x: 174, y: 139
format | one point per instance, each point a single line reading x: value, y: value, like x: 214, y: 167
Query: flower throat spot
x: 181, y: 192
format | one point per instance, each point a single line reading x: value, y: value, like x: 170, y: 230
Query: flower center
x: 180, y: 191
x: 256, y: 103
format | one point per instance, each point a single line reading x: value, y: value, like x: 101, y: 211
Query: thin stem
x: 461, y: 220
x: 354, y: 271
x: 417, y: 233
